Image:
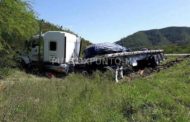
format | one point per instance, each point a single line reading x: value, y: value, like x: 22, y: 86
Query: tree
x: 17, y: 21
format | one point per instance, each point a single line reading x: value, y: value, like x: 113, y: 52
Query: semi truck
x: 60, y: 51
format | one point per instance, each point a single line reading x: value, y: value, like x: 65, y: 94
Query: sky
x: 110, y: 20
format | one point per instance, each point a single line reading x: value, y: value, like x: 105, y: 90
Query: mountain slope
x: 159, y: 38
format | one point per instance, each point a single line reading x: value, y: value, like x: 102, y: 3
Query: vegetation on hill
x: 172, y: 39
x: 84, y: 43
x: 47, y: 26
x: 18, y: 23
x: 162, y: 96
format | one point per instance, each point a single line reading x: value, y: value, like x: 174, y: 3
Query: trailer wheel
x: 153, y: 61
x: 84, y: 73
x: 110, y: 69
x: 23, y: 65
x: 110, y: 72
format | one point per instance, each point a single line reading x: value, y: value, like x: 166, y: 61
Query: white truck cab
x: 54, y: 48
x: 60, y: 47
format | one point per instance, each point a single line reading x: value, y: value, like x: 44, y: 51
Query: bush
x: 4, y: 72
x: 7, y: 60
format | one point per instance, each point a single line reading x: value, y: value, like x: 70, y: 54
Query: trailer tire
x: 23, y: 64
x: 84, y: 73
x: 110, y: 72
x: 153, y: 61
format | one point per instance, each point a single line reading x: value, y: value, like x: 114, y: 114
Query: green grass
x: 162, y: 96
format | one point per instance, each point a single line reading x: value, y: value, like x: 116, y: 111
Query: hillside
x: 173, y: 39
x: 162, y: 96
x: 19, y: 23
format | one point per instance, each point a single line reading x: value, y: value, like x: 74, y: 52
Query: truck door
x: 34, y: 51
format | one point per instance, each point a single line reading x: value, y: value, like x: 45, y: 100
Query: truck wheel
x: 84, y: 73
x: 23, y: 64
x: 110, y: 72
x: 153, y: 61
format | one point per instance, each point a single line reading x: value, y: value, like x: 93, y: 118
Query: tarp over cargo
x: 103, y: 48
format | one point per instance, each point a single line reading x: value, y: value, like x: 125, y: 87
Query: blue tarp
x: 103, y: 48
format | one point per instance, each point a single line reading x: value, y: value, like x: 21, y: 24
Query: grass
x: 162, y: 96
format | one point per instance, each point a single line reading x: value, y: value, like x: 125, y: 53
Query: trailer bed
x: 119, y: 55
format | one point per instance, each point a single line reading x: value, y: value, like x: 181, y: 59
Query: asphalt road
x: 186, y: 54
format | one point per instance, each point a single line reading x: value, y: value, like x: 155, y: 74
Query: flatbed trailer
x: 122, y: 55
x: 117, y: 63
